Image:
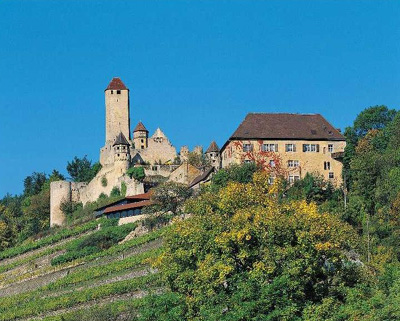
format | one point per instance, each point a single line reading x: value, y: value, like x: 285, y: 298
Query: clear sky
x: 194, y: 68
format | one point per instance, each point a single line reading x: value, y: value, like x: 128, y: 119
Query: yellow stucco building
x: 303, y: 143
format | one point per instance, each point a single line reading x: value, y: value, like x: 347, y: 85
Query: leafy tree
x: 169, y: 196
x: 244, y: 255
x: 82, y: 170
x: 33, y: 184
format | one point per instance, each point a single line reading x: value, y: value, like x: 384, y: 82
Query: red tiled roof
x: 286, y: 126
x: 144, y: 196
x: 127, y: 206
x: 116, y: 84
x: 140, y: 127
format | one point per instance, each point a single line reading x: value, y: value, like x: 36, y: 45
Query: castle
x: 304, y: 143
x: 120, y: 151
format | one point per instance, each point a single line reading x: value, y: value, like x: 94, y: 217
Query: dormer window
x: 118, y: 92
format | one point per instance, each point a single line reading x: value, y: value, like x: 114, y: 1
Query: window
x: 271, y: 163
x: 248, y: 161
x: 327, y: 165
x: 142, y: 147
x: 290, y: 147
x: 330, y: 148
x: 269, y: 147
x: 271, y: 180
x: 118, y: 92
x: 293, y: 178
x: 112, y: 91
x: 311, y: 148
x: 293, y: 163
x: 331, y: 175
x: 141, y: 140
x: 247, y: 147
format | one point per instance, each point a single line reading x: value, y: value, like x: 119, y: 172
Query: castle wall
x: 158, y: 149
x: 60, y: 191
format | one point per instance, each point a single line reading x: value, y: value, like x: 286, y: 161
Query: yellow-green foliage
x: 245, y: 251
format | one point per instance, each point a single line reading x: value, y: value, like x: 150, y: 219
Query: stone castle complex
x: 306, y: 143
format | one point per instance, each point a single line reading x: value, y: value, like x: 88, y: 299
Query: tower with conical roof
x: 140, y: 136
x: 122, y: 156
x: 214, y: 156
x: 117, y: 110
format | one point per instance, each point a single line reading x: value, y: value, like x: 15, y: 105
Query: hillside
x: 46, y: 280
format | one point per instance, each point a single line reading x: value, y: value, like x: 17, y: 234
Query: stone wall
x: 159, y: 149
x: 61, y: 191
x: 185, y: 174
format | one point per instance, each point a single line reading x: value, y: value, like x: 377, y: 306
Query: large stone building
x: 120, y: 152
x: 303, y: 143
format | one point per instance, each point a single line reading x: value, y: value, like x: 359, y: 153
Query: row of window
x: 133, y: 212
x: 288, y: 148
x: 118, y: 92
x: 292, y: 164
x: 294, y: 178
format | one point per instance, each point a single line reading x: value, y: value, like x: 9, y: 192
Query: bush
x: 123, y: 189
x: 104, y: 181
x: 115, y: 192
x: 236, y: 173
x: 136, y: 173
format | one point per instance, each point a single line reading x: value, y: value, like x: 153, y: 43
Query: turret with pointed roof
x: 140, y: 136
x: 213, y: 147
x: 140, y: 128
x: 121, y: 140
x: 213, y: 154
x: 121, y: 151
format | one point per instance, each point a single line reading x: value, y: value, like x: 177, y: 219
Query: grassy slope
x: 31, y: 288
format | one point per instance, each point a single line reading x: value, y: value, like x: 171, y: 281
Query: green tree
x: 82, y: 170
x: 33, y: 184
x: 169, y: 196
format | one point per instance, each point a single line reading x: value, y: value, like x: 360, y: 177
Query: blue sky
x: 194, y: 68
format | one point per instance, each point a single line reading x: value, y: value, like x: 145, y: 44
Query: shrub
x: 115, y: 192
x: 136, y: 173
x: 104, y: 181
x: 123, y: 189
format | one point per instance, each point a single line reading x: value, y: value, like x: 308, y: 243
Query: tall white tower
x: 117, y: 110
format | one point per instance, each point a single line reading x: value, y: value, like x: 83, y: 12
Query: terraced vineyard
x: 42, y: 280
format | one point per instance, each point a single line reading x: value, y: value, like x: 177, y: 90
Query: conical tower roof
x: 121, y: 140
x: 116, y: 84
x: 140, y: 128
x: 212, y: 148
